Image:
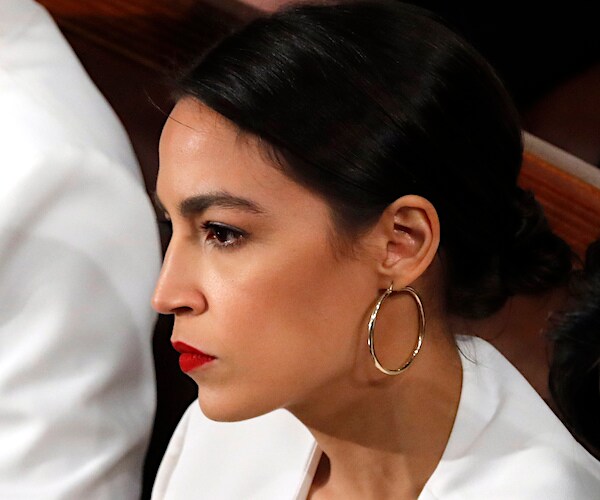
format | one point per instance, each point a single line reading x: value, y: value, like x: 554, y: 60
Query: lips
x: 191, y: 358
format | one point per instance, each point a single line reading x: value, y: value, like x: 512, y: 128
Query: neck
x: 518, y: 330
x: 385, y: 438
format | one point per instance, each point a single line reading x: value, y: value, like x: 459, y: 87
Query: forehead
x: 202, y: 152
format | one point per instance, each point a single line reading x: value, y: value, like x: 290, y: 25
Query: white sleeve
x: 79, y: 255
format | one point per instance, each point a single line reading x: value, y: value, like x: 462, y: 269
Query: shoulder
x: 539, y: 472
x: 506, y: 440
x: 46, y: 97
x: 558, y: 473
x: 62, y: 188
x: 509, y: 408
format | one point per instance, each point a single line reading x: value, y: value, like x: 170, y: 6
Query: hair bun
x: 537, y: 259
x: 530, y: 259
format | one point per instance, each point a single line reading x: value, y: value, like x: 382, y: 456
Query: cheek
x: 288, y: 323
x: 292, y: 310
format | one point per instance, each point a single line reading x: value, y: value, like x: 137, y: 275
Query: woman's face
x: 252, y: 277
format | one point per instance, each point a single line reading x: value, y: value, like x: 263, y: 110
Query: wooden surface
x: 158, y: 34
x: 571, y: 205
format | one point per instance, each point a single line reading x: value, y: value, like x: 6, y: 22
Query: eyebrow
x: 198, y: 204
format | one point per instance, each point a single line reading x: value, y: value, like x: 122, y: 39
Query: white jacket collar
x: 266, y: 457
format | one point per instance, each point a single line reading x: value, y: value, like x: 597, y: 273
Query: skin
x: 284, y: 310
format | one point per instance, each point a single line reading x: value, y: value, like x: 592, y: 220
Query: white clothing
x: 505, y: 444
x: 79, y: 254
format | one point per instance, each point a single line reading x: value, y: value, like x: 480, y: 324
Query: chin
x: 227, y: 409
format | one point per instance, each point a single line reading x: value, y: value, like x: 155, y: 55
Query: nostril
x: 181, y: 311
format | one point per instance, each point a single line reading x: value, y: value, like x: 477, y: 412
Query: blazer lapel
x: 264, y: 458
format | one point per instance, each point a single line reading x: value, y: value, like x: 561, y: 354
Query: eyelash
x: 217, y: 234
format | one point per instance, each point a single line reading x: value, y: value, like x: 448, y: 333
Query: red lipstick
x: 190, y: 357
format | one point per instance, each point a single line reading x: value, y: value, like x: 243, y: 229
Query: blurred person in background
x: 79, y: 254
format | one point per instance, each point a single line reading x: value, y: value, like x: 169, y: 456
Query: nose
x: 177, y: 291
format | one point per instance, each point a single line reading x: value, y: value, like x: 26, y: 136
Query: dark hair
x: 365, y: 102
x: 575, y: 367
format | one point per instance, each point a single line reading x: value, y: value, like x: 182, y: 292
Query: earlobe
x: 411, y: 230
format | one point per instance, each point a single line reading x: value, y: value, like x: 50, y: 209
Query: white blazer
x: 79, y: 254
x: 505, y: 444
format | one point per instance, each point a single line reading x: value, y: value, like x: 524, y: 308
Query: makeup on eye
x: 223, y: 235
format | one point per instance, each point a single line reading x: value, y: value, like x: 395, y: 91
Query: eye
x: 222, y: 235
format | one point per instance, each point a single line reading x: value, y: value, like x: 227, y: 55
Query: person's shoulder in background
x: 46, y: 91
x: 79, y: 254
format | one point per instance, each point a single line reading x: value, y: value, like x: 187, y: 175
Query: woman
x: 341, y: 182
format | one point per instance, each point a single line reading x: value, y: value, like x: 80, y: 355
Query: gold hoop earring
x: 413, y: 293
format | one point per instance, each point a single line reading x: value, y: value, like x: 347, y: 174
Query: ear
x: 407, y: 236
